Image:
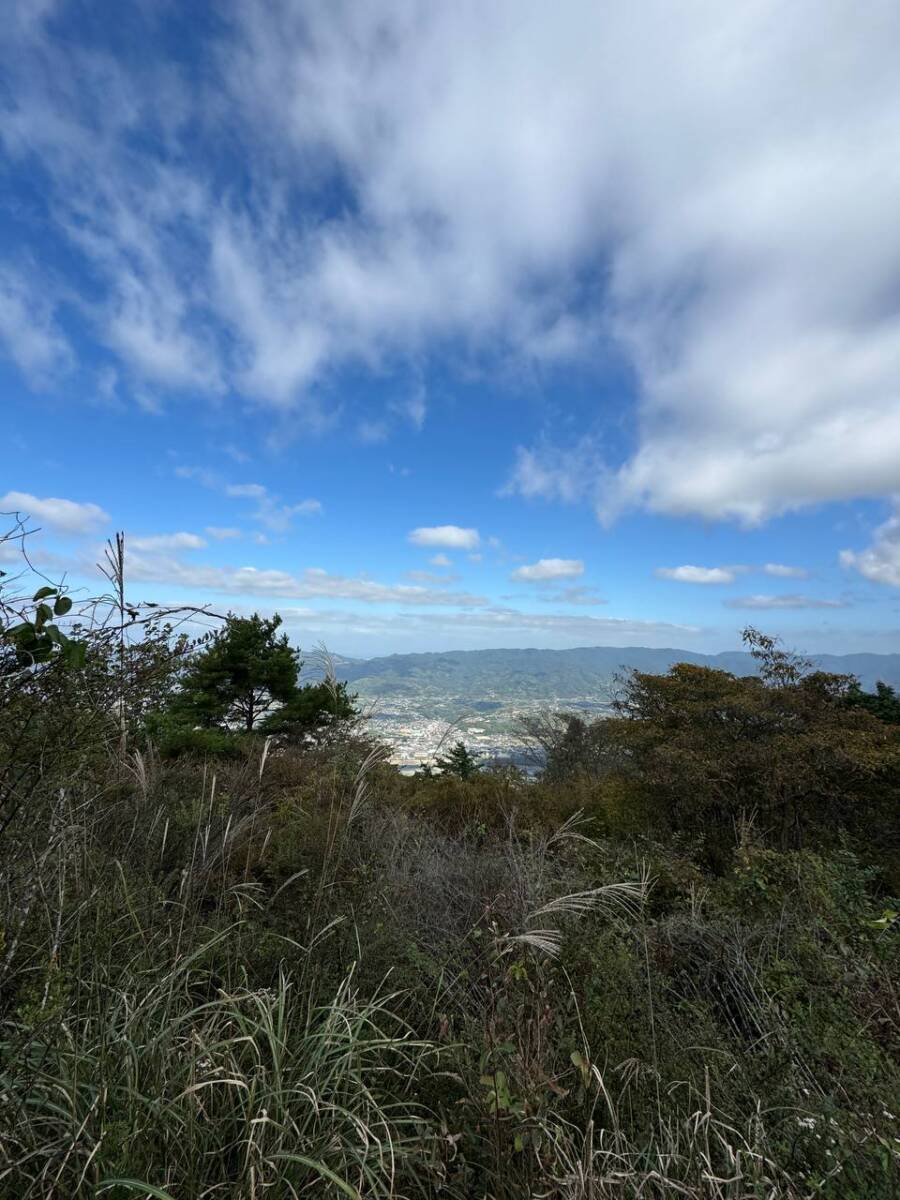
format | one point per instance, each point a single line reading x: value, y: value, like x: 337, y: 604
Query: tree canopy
x: 246, y: 671
x: 458, y: 761
x: 793, y: 749
x: 247, y: 677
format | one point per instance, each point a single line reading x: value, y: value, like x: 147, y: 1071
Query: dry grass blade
x: 611, y: 898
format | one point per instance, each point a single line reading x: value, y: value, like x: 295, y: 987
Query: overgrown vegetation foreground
x: 264, y: 964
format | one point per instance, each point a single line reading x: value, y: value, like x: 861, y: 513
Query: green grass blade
x: 135, y: 1185
x: 347, y: 1188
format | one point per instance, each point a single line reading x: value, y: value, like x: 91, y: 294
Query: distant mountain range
x: 588, y: 671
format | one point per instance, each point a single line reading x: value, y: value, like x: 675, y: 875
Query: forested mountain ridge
x: 582, y: 671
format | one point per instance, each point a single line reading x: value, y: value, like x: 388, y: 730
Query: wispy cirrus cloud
x: 454, y: 537
x: 493, y: 626
x: 30, y: 334
x: 166, y: 542
x: 269, y: 510
x: 312, y: 583
x: 784, y: 601
x: 703, y: 575
x: 548, y: 569
x: 580, y: 595
x: 432, y: 577
x: 782, y: 571
x: 688, y: 573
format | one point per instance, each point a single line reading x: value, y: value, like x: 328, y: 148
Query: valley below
x: 419, y: 703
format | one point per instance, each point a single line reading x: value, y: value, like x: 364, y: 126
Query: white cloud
x: 780, y: 571
x: 491, y: 627
x: 879, y: 562
x: 432, y: 577
x: 29, y: 332
x: 64, y: 516
x: 692, y: 574
x: 412, y: 409
x: 202, y: 475
x: 269, y: 511
x: 452, y: 536
x: 739, y: 245
x: 167, y: 541
x: 313, y: 583
x: 223, y: 533
x: 440, y: 560
x: 579, y: 595
x: 568, y: 475
x: 372, y: 433
x: 306, y: 508
x: 550, y: 568
x: 250, y: 491
x: 783, y: 602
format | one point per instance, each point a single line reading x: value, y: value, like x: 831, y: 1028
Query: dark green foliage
x: 174, y: 737
x: 708, y: 749
x: 883, y: 703
x: 316, y: 711
x: 579, y: 748
x: 242, y: 675
x: 246, y: 677
x: 37, y: 639
x: 458, y: 761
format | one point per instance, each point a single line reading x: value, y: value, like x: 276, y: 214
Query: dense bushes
x: 304, y: 972
x: 805, y: 755
x: 262, y: 965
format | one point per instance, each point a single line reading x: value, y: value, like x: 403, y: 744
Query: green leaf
x: 44, y: 613
x: 578, y: 1060
x: 74, y: 653
x: 17, y: 631
x: 62, y: 606
x: 347, y: 1188
x: 43, y: 593
x: 135, y: 1185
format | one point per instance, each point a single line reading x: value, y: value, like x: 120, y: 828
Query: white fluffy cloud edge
x: 721, y: 175
x: 156, y: 558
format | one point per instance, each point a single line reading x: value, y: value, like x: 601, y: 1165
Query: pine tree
x: 459, y: 762
x: 246, y: 672
x: 316, y: 712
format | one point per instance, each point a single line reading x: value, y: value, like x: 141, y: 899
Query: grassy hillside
x: 241, y: 965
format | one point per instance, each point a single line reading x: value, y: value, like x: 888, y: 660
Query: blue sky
x: 455, y: 326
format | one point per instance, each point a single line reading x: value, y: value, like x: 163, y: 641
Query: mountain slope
x: 556, y: 674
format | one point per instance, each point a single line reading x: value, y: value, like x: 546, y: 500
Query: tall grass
x: 196, y: 1089
x: 140, y: 1057
x: 256, y: 979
